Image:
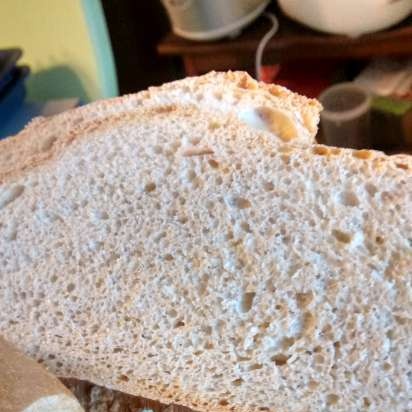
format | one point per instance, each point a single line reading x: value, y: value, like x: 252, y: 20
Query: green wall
x: 66, y: 45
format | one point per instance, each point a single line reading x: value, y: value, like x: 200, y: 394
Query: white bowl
x: 350, y: 17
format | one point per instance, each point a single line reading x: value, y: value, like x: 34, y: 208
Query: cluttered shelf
x: 292, y: 41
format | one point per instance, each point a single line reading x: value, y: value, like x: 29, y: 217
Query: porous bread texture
x: 288, y: 116
x: 193, y: 260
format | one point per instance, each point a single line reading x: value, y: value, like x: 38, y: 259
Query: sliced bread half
x: 198, y: 261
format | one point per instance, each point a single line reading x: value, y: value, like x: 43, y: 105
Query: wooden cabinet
x: 293, y: 41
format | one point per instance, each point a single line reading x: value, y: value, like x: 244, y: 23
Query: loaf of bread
x: 176, y: 253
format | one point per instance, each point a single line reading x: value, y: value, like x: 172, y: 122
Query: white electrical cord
x: 264, y: 41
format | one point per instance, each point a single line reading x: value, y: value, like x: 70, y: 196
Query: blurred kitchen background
x: 354, y: 55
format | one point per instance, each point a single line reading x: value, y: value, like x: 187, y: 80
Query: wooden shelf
x: 293, y: 41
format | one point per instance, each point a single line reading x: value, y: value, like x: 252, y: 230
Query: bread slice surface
x: 188, y: 258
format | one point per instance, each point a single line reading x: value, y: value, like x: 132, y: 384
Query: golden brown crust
x: 31, y: 140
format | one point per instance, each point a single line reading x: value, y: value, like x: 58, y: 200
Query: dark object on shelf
x: 391, y: 123
x: 345, y: 117
x: 293, y: 41
x: 8, y: 59
x: 12, y: 96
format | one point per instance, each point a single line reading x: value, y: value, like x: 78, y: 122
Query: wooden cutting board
x: 98, y: 399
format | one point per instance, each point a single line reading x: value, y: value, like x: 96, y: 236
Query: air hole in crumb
x: 157, y: 149
x: 237, y: 382
x: 390, y: 334
x: 268, y: 186
x: 332, y: 399
x: 70, y: 287
x: 336, y: 345
x: 209, y: 346
x: 117, y: 350
x: 179, y: 324
x: 379, y: 240
x: 208, y: 330
x: 223, y: 402
x: 123, y: 378
x: 264, y: 325
x: 387, y: 366
x: 247, y: 301
x: 213, y: 163
x: 240, y: 202
x: 401, y: 320
x: 366, y: 402
x: 287, y: 343
x: 319, y: 359
x: 100, y: 215
x: 371, y: 189
x: 309, y: 322
x: 312, y: 385
x: 402, y: 166
x: 280, y: 359
x: 342, y: 236
x: 245, y: 226
x: 150, y: 187
x: 264, y: 408
x: 327, y: 329
x: 256, y: 366
x: 209, y: 205
x: 303, y: 299
x: 99, y: 283
x: 349, y: 198
x: 168, y: 257
x: 191, y: 175
x: 229, y: 235
x: 285, y: 158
